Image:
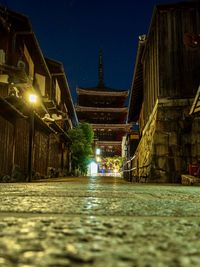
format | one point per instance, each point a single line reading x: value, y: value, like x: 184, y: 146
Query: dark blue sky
x: 73, y: 31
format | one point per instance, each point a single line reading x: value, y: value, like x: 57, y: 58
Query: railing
x: 127, y: 169
x: 132, y: 172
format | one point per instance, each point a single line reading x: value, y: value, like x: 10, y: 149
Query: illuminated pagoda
x: 104, y: 108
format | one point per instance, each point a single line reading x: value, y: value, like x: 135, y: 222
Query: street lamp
x: 32, y: 100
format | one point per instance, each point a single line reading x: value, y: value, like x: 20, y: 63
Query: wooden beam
x: 108, y: 143
x: 101, y: 93
x: 124, y: 127
x: 94, y: 109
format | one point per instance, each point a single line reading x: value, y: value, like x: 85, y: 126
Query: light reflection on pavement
x: 98, y: 222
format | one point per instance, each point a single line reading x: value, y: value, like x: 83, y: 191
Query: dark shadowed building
x: 165, y: 82
x: 27, y: 131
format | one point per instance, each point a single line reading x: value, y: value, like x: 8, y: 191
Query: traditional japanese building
x: 33, y: 137
x: 104, y: 108
x: 165, y: 81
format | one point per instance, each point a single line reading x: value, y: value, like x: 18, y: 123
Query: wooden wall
x: 14, y: 148
x: 55, y: 155
x: 21, y: 144
x: 151, y: 71
x: 40, y: 152
x: 6, y: 147
x: 171, y: 66
x: 3, y: 89
x: 179, y: 62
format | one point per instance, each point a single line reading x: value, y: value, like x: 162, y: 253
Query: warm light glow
x: 32, y: 98
x: 116, y: 173
x: 98, y: 159
x: 98, y: 151
x: 92, y: 169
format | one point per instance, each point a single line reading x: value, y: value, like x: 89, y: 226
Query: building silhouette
x: 104, y: 108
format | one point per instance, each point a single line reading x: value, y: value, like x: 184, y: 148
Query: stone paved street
x: 99, y: 222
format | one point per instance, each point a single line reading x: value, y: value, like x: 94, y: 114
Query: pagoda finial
x: 101, y: 80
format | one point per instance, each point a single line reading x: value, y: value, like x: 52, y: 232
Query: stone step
x: 187, y: 179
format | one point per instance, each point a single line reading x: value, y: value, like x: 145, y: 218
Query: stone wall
x: 143, y: 154
x: 170, y: 142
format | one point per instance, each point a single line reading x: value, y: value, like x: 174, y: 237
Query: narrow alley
x: 98, y: 221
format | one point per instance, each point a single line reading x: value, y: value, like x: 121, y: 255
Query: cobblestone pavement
x: 100, y: 222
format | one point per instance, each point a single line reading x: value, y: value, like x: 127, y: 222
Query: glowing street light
x: 32, y: 100
x: 98, y: 151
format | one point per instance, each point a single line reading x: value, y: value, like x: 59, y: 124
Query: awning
x: 9, y: 112
x: 41, y: 125
x: 59, y: 130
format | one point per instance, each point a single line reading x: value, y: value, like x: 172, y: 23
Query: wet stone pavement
x: 100, y: 222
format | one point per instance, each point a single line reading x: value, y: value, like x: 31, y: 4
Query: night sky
x: 73, y: 31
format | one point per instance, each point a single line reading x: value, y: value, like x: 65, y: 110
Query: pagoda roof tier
x: 101, y: 101
x: 100, y: 92
x: 103, y: 109
x: 115, y: 127
x: 108, y: 143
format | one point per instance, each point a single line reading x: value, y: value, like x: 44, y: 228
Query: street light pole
x: 32, y: 100
x: 30, y: 153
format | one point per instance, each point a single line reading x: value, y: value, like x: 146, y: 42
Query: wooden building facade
x: 25, y: 71
x: 165, y: 81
